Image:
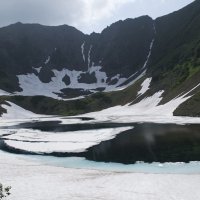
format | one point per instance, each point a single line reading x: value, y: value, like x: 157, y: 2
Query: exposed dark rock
x: 112, y: 82
x: 87, y: 78
x: 46, y: 74
x: 66, y: 80
x: 71, y: 93
x: 121, y: 48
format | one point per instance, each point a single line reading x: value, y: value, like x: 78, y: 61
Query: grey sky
x: 86, y: 15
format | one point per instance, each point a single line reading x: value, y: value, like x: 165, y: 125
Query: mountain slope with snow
x: 129, y: 62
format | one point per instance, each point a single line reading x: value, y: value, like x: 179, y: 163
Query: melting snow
x: 38, y: 69
x: 4, y: 93
x: 16, y: 112
x: 147, y: 110
x: 89, y: 58
x: 82, y: 51
x: 47, y: 60
x: 31, y: 84
x: 48, y: 142
x: 149, y: 54
x: 33, y: 180
x: 145, y: 86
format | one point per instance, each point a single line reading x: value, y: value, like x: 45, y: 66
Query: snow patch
x: 32, y: 85
x: 38, y: 69
x: 149, y: 54
x: 147, y: 110
x: 82, y: 51
x: 47, y: 60
x: 48, y: 142
x: 31, y: 179
x: 89, y: 58
x: 16, y: 112
x: 4, y: 93
x: 145, y: 86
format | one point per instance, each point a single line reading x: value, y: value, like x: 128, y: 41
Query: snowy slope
x: 38, y: 181
x: 148, y: 109
x: 4, y: 93
x: 32, y: 85
x: 145, y: 86
x: 16, y: 112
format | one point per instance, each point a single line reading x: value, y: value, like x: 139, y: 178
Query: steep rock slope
x: 166, y: 51
x: 61, y: 61
x: 175, y: 60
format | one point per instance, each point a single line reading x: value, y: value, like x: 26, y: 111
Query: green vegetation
x: 95, y: 102
x: 4, y: 191
x: 175, y: 60
x: 190, y: 107
x: 174, y: 67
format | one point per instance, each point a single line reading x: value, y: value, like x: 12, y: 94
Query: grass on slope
x: 190, y: 107
x: 95, y: 102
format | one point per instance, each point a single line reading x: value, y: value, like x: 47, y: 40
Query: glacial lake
x: 147, y: 142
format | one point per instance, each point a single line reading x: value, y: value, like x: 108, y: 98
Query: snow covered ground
x: 147, y: 110
x: 2, y: 93
x: 16, y: 112
x: 47, y: 178
x: 145, y: 86
x: 32, y: 85
x: 41, y: 178
x: 33, y: 180
x: 48, y: 142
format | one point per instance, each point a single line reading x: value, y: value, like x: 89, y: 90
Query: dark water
x: 147, y: 142
x: 151, y: 143
x: 56, y: 126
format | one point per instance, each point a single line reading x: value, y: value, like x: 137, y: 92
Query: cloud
x: 40, y: 11
x: 86, y: 15
x: 98, y: 9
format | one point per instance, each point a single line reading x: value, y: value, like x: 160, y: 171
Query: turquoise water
x: 170, y: 144
x: 139, y: 167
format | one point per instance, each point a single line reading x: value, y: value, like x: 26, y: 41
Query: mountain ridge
x: 166, y: 48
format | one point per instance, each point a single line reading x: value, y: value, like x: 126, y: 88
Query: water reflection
x: 151, y: 143
x: 148, y: 142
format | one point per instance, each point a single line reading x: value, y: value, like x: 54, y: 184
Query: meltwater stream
x: 130, y: 147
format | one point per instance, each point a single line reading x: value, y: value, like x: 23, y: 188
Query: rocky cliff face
x: 59, y: 59
x: 62, y: 62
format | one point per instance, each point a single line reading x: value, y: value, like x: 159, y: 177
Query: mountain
x: 31, y: 55
x: 43, y: 66
x: 175, y: 60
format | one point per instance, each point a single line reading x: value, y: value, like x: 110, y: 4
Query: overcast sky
x: 85, y: 15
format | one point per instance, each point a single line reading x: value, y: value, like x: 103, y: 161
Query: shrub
x: 4, y: 191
